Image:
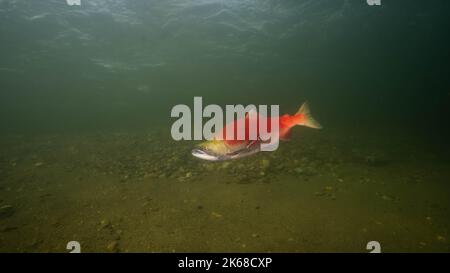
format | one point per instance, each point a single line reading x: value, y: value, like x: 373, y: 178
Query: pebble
x: 6, y: 211
x: 217, y: 215
x: 113, y: 246
x: 386, y: 197
x: 105, y: 224
x: 38, y: 164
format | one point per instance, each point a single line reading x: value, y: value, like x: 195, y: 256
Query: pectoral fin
x: 286, y: 136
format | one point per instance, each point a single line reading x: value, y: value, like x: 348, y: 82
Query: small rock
x: 254, y: 235
x: 38, y: 164
x: 386, y: 197
x: 215, y: 214
x: 104, y: 224
x: 6, y: 211
x: 299, y: 170
x: 113, y: 246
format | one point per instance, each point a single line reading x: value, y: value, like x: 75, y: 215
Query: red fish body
x: 251, y: 140
x: 285, y: 124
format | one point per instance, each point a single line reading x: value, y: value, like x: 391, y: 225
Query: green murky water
x: 85, y: 147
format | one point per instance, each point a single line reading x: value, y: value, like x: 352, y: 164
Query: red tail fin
x: 307, y: 119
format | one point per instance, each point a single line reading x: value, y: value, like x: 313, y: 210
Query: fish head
x: 212, y: 150
x: 217, y: 150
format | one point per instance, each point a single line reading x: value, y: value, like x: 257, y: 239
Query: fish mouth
x: 205, y: 155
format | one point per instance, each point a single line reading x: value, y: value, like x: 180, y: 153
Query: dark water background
x: 121, y: 64
x: 85, y: 99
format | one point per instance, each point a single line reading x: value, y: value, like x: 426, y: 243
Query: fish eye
x: 202, y: 148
